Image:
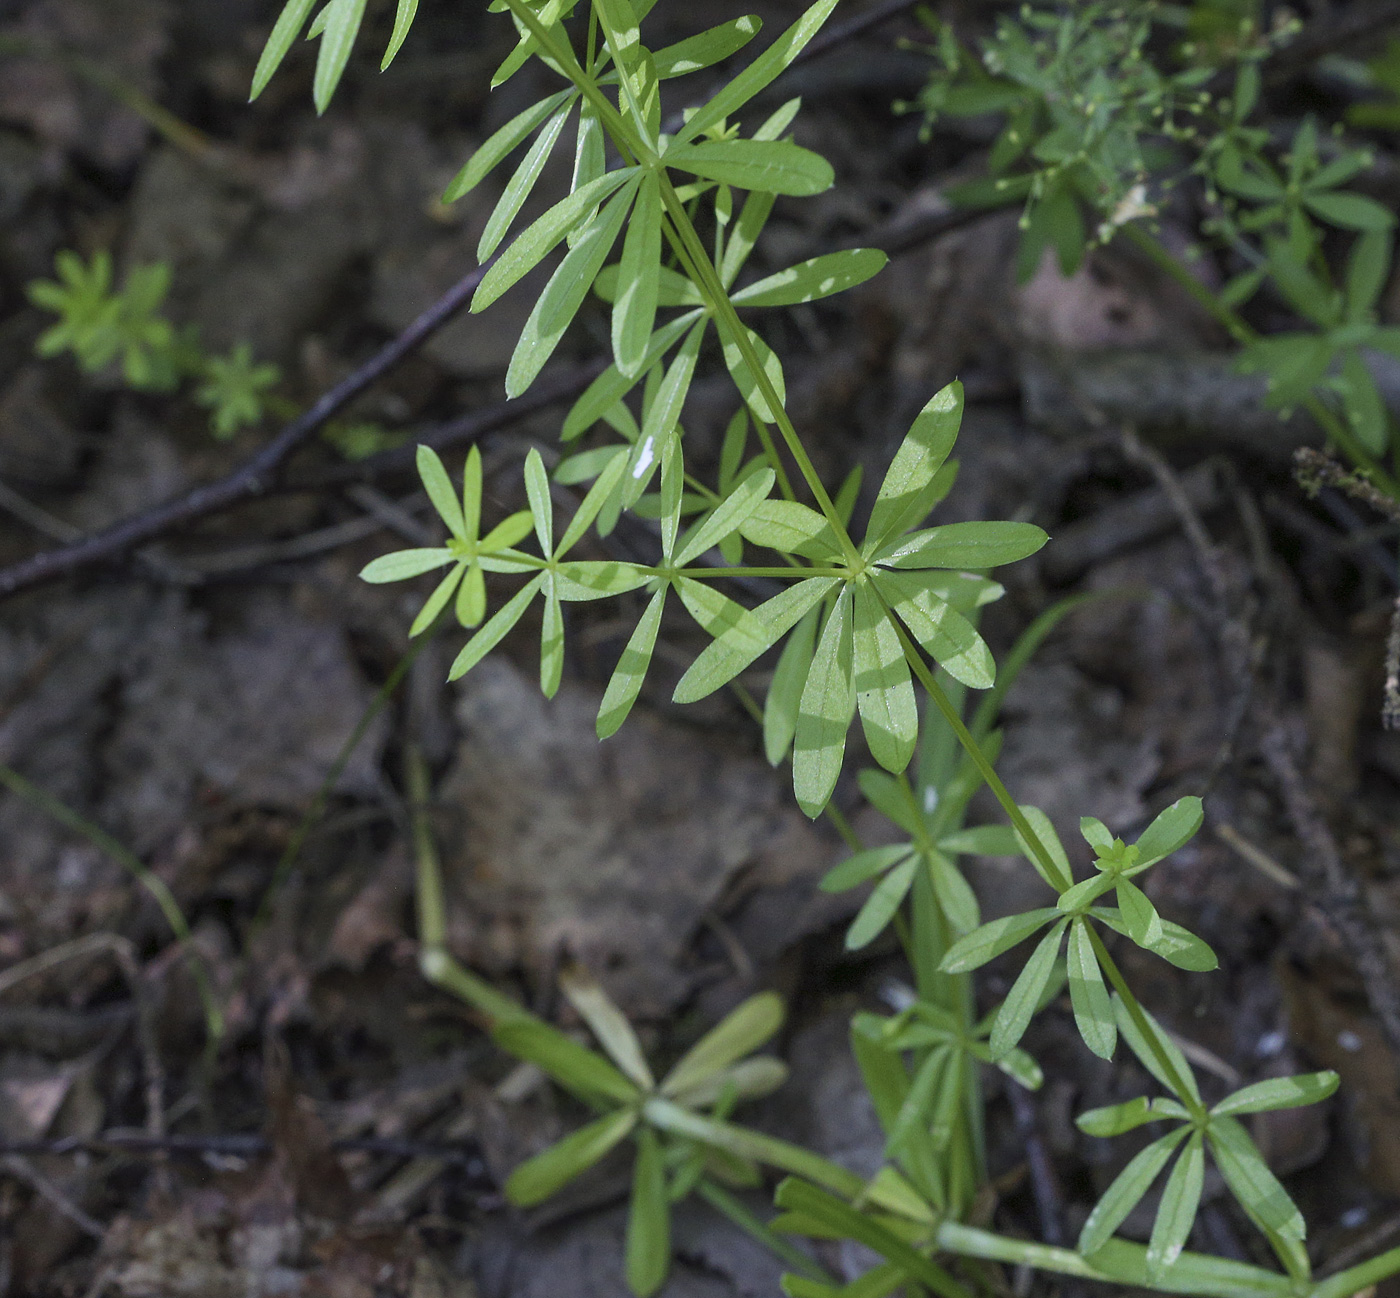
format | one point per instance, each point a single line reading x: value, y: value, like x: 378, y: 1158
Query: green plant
x: 101, y: 325
x: 865, y: 627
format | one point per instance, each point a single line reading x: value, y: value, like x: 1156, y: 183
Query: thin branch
x: 254, y: 478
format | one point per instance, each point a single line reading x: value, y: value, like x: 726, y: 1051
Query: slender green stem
x: 738, y: 1212
x: 1362, y: 1276
x: 1135, y: 1012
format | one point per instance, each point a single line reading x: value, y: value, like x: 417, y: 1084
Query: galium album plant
x: 876, y: 620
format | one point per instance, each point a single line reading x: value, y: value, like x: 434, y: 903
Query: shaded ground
x: 193, y: 704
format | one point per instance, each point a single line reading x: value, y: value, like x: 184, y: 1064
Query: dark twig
x: 1327, y: 882
x: 252, y: 479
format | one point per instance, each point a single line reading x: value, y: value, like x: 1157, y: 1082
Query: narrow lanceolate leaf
x: 1061, y: 879
x: 403, y: 20
x: 982, y: 840
x: 1093, y: 1010
x: 664, y: 415
x: 913, y: 1113
x: 720, y: 662
x: 621, y: 29
x: 521, y: 184
x: 1115, y: 1119
x: 881, y: 905
x: 608, y: 1024
x: 1250, y: 1180
x: 811, y: 280
x: 864, y: 866
x: 403, y: 564
x: 439, y: 488
x: 791, y: 528
x: 573, y: 1066
x: 722, y: 617
x: 551, y: 640
x: 672, y: 494
x: 780, y: 708
x: 769, y: 166
x: 1023, y: 999
x: 1127, y: 1190
x: 631, y: 668
x: 343, y: 18
x: 706, y: 49
x: 284, y: 34
x: 564, y: 294
x: 593, y: 502
x: 954, y: 893
x: 743, y: 376
x: 942, y: 632
x: 828, y: 702
x: 495, y: 630
x: 727, y: 517
x: 1280, y: 1093
x: 1140, y: 915
x: 1177, y: 1212
x: 889, y: 714
x: 537, y: 494
x: 922, y: 453
x: 471, y: 598
x: 964, y: 545
x: 587, y: 579
x: 437, y: 601
x: 603, y: 394
x: 1085, y: 892
x: 499, y: 145
x: 994, y: 937
x: 1138, y: 1044
x: 471, y: 505
x: 648, y: 1220
x: 760, y: 72
x: 539, y: 1177
x: 634, y: 309
x: 1169, y: 831
x: 742, y: 1031
x: 536, y: 241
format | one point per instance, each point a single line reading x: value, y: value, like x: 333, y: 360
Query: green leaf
x: 943, y: 633
x: 706, y: 49
x: 343, y: 18
x: 437, y: 601
x: 1093, y: 1010
x: 864, y: 866
x: 743, y: 1030
x: 781, y: 706
x: 495, y: 630
x: 664, y: 415
x: 984, y: 840
x: 537, y: 240
x: 767, y: 166
x: 403, y: 20
x: 1139, y: 914
x: 539, y: 1177
x: 439, y: 488
x: 1127, y: 1190
x: 403, y: 564
x: 753, y: 216
x: 1138, y: 1044
x: 500, y: 144
x: 1177, y: 1212
x: 739, y: 369
x: 537, y: 493
x: 564, y: 294
x: 623, y: 34
x: 1115, y: 1119
x: 603, y: 394
x: 551, y: 640
x: 880, y: 906
x: 813, y: 279
x: 594, y: 501
x: 1169, y: 830
x: 1250, y: 1180
x: 791, y: 528
x: 749, y: 1079
x: 1364, y: 406
x: 1183, y: 949
x: 720, y: 662
x: 1280, y: 1093
x: 889, y: 714
x: 634, y: 311
x: 914, y: 1112
x: 954, y: 894
x: 573, y: 1066
x: 828, y: 703
x: 648, y: 1220
x: 993, y: 938
x: 284, y: 34
x: 1350, y: 211
x: 471, y: 601
x: 1084, y: 893
x: 964, y: 545
x: 510, y: 531
x: 626, y: 681
x: 1063, y: 878
x: 727, y: 517
x: 722, y: 617
x: 759, y: 73
x: 1368, y: 269
x: 1023, y: 999
x: 921, y: 454
x: 608, y: 1024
